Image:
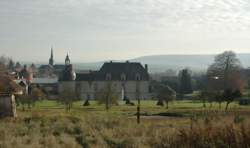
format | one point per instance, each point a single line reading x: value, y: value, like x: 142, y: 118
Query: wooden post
x: 139, y: 100
x: 138, y: 111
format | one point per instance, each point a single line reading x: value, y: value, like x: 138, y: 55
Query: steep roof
x: 116, y: 70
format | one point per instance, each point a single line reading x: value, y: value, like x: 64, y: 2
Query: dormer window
x: 137, y: 77
x: 123, y: 77
x: 108, y: 77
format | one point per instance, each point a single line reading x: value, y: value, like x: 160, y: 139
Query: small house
x: 8, y: 90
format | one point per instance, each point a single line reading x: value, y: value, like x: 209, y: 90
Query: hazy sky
x: 95, y: 30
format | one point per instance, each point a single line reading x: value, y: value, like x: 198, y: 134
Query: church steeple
x: 51, y: 60
x: 67, y: 60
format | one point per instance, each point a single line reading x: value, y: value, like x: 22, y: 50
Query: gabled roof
x: 116, y: 70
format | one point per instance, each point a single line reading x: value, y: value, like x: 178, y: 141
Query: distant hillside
x: 159, y: 63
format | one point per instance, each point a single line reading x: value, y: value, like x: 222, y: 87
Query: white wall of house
x: 87, y: 90
x: 68, y: 87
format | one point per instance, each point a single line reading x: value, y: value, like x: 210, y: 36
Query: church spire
x: 51, y: 60
x: 67, y: 60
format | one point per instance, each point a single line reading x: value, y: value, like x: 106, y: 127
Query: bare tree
x: 165, y: 93
x: 225, y: 74
x: 107, y: 96
x: 67, y: 97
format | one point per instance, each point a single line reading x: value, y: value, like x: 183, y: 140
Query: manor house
x: 127, y: 80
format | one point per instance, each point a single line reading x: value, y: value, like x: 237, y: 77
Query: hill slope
x: 159, y: 63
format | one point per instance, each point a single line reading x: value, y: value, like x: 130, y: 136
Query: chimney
x: 146, y: 67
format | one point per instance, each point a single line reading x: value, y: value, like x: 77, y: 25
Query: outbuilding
x: 8, y: 90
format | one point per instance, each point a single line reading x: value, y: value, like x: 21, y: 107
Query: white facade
x: 128, y: 89
x: 126, y: 80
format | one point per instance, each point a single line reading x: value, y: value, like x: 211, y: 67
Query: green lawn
x: 185, y: 107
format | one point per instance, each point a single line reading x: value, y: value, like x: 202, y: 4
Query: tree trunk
x: 29, y: 106
x: 167, y: 104
x: 211, y: 105
x: 204, y: 103
x: 227, y: 106
x: 107, y: 104
x: 138, y: 114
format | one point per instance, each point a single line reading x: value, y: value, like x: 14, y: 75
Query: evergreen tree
x: 11, y: 65
x: 185, y: 82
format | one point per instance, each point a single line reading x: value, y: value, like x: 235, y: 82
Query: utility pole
x: 138, y: 99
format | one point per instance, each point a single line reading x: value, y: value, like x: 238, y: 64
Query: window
x: 137, y: 77
x: 123, y: 77
x: 108, y: 76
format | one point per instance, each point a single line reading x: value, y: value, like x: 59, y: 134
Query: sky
x: 96, y: 30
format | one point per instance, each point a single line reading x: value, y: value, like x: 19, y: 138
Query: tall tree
x: 185, y: 82
x: 11, y: 65
x: 225, y: 75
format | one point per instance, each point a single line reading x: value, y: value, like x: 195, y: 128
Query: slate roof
x: 45, y: 67
x: 86, y: 76
x: 59, y: 67
x: 56, y: 67
x: 116, y: 70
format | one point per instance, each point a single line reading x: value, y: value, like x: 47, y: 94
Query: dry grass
x: 80, y: 128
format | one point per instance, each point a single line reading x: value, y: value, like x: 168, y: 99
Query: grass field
x: 184, y: 124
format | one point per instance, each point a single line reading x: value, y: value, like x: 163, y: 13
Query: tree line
x: 223, y: 82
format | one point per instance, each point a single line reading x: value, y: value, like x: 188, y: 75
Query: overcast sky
x: 95, y: 30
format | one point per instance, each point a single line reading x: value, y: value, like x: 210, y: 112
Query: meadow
x: 185, y: 124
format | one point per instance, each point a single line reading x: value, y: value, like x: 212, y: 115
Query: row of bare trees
x: 105, y: 96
